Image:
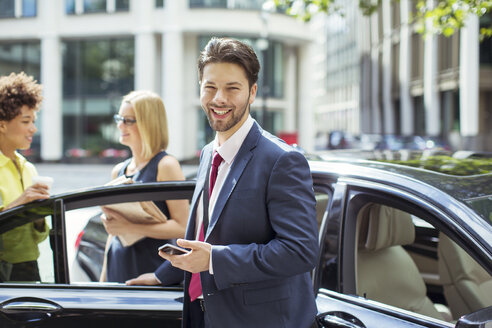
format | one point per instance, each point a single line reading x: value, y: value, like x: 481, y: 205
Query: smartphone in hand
x: 173, y: 249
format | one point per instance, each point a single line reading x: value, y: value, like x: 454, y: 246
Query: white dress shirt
x: 228, y: 152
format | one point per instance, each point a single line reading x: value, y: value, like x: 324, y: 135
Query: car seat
x: 385, y: 271
x: 467, y: 286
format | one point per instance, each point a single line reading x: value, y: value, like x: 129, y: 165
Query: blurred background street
x: 69, y: 177
x: 75, y: 176
x: 347, y: 77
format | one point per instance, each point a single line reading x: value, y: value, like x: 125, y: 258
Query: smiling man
x: 252, y: 230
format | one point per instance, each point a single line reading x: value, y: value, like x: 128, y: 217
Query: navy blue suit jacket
x: 265, y: 238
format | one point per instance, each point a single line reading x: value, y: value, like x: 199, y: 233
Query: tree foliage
x: 447, y: 16
x: 449, y: 165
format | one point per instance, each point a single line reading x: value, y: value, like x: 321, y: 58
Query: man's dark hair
x: 17, y: 90
x: 225, y: 50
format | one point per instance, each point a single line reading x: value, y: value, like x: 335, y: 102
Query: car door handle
x: 29, y: 309
x: 338, y: 319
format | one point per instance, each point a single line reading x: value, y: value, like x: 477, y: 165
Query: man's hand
x: 197, y: 260
x: 146, y: 279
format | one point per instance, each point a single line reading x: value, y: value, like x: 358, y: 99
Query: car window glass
x: 96, y: 256
x: 329, y: 243
x: 86, y: 239
x: 321, y: 205
x: 45, y: 260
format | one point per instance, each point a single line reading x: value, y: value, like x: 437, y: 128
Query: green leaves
x: 446, y: 16
x: 450, y: 165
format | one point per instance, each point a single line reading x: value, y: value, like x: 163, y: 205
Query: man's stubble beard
x: 218, y: 125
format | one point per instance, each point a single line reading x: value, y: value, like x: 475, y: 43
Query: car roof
x: 472, y: 190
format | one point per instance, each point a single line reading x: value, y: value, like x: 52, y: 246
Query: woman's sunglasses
x: 126, y: 121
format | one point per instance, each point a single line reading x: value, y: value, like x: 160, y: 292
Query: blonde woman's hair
x: 150, y: 114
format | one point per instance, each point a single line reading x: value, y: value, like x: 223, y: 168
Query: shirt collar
x: 229, y: 149
x: 4, y: 159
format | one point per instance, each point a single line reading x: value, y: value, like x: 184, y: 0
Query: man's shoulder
x: 275, y: 145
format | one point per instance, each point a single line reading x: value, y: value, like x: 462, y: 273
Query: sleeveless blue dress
x: 129, y: 262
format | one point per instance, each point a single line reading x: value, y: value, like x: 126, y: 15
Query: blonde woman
x: 143, y: 128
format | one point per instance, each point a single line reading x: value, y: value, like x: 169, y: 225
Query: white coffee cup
x: 48, y: 181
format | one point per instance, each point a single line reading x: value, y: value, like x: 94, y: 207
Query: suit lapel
x: 202, y: 172
x: 241, y: 160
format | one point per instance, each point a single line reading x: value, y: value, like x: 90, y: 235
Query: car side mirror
x: 479, y: 319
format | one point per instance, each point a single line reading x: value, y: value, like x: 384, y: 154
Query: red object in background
x: 288, y: 137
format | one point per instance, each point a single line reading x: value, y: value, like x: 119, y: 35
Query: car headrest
x: 382, y: 226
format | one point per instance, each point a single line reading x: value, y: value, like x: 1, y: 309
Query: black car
x: 400, y: 247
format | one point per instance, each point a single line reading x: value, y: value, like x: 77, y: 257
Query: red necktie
x: 195, y: 288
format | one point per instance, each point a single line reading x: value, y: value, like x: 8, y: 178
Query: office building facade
x: 89, y: 53
x: 381, y: 76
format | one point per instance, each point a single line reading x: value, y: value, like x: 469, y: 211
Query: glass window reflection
x: 122, y: 5
x: 94, y: 6
x: 96, y: 74
x: 70, y: 7
x: 236, y: 4
x: 29, y: 8
x: 7, y: 8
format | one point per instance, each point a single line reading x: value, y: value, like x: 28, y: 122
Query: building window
x: 70, y: 7
x: 18, y: 57
x: 96, y: 74
x: 7, y: 8
x: 159, y: 3
x: 229, y: 4
x: 24, y: 57
x: 12, y: 8
x: 122, y: 5
x: 95, y: 6
x: 486, y: 44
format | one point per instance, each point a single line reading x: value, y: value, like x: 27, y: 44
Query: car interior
x: 384, y: 265
x: 467, y: 286
x: 390, y: 270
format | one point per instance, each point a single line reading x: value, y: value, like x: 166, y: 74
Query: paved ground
x: 75, y: 176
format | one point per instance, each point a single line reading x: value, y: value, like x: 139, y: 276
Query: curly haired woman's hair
x: 17, y: 90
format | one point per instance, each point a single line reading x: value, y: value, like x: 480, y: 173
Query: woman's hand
x: 115, y: 223
x: 32, y: 193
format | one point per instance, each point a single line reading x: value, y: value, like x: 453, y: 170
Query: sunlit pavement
x: 69, y: 177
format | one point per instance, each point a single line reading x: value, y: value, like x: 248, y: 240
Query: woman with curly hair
x: 20, y: 97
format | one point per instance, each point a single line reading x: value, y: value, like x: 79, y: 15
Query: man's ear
x: 3, y: 126
x: 252, y: 93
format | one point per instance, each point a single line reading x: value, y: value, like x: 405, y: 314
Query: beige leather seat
x: 385, y: 271
x: 467, y: 286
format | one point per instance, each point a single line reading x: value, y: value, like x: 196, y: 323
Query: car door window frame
x: 355, y: 198
x: 58, y: 205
